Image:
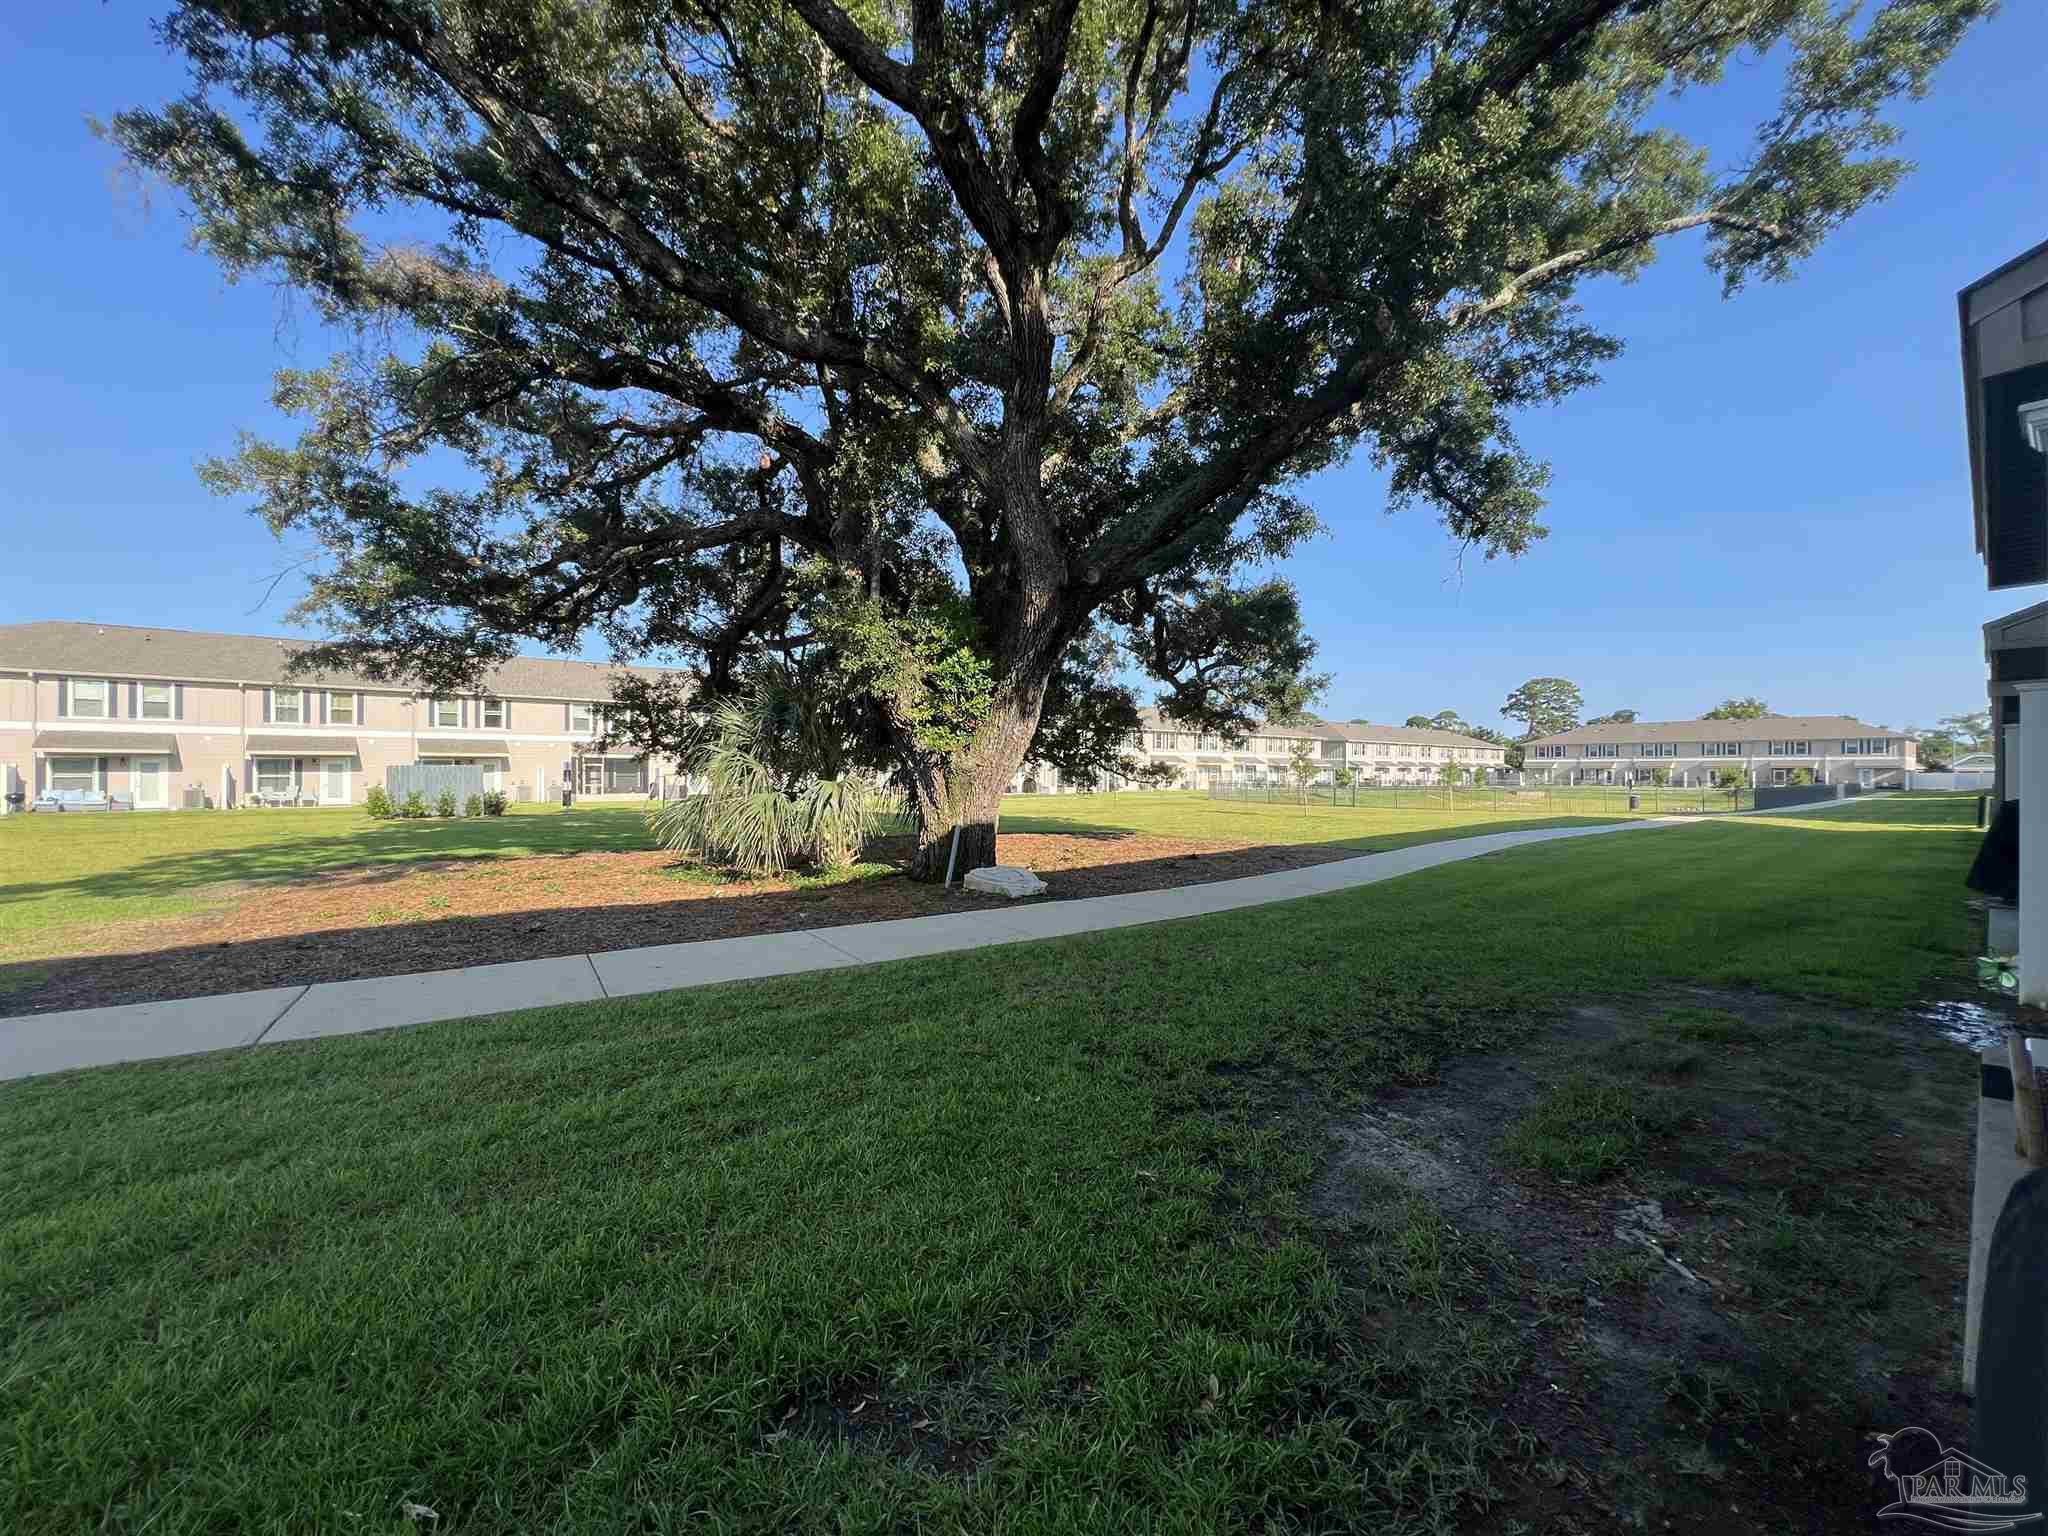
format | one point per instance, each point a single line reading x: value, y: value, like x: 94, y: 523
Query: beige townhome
x: 1374, y: 754
x: 163, y: 718
x: 1832, y: 749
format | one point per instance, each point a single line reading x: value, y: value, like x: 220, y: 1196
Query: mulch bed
x: 393, y: 919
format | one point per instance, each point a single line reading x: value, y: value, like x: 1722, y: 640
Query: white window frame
x: 291, y: 776
x: 434, y: 720
x: 92, y: 771
x: 298, y: 701
x: 582, y: 719
x: 147, y: 708
x: 105, y: 699
x: 488, y: 707
x: 345, y: 701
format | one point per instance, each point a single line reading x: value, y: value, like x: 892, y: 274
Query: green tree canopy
x: 974, y: 331
x: 1739, y: 709
x: 1545, y: 706
x: 1617, y: 717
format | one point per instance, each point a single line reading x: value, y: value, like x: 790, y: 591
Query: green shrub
x: 473, y: 806
x: 445, y: 806
x: 759, y: 812
x: 378, y: 803
x: 494, y: 803
x: 415, y: 806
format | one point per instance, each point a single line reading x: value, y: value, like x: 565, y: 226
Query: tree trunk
x: 967, y: 792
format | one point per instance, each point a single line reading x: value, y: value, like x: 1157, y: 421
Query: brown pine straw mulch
x: 388, y: 920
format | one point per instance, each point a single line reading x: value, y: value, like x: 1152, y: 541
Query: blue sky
x: 1765, y: 496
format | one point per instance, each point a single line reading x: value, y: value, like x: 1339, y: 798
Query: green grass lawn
x: 1019, y: 1241
x: 77, y: 872
x: 1374, y: 827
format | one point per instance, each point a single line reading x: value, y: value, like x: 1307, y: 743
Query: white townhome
x: 1374, y: 754
x: 1830, y: 749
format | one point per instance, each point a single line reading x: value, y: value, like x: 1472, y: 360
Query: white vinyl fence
x: 1978, y: 781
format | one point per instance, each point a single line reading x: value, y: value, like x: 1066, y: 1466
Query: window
x: 341, y: 709
x: 274, y: 775
x: 287, y: 706
x: 89, y: 698
x: 1790, y: 748
x: 75, y: 773
x: 444, y: 714
x: 1867, y: 746
x: 157, y: 701
x: 1657, y: 749
x: 1723, y: 748
x: 582, y: 718
x: 492, y: 714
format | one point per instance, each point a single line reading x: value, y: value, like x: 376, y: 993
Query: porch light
x: 2034, y: 422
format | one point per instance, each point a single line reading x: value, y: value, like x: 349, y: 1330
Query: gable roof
x: 1768, y: 728
x: 196, y: 656
x: 1324, y: 730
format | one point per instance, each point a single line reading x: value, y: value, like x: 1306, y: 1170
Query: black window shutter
x: 266, y: 706
x: 135, y: 701
x: 178, y: 701
x: 359, y: 711
x: 63, y: 697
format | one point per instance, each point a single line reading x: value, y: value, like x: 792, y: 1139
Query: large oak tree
x: 972, y: 342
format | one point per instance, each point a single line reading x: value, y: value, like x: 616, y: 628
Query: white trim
x: 124, y: 727
x: 17, y: 725
x: 348, y: 780
x: 163, y: 780
x: 429, y: 736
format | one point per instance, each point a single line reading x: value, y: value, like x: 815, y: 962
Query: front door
x: 152, y: 784
x: 334, y: 777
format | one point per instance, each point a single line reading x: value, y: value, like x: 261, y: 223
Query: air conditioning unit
x: 195, y: 798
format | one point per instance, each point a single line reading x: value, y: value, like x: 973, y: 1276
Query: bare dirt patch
x: 395, y: 919
x: 1707, y: 1340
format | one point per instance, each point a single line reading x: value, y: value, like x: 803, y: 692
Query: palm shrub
x: 445, y: 805
x: 473, y: 806
x: 779, y: 794
x: 494, y: 803
x: 415, y: 806
x: 377, y: 801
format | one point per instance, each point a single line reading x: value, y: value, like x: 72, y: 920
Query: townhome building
x: 1374, y: 754
x: 165, y: 718
x: 1774, y: 750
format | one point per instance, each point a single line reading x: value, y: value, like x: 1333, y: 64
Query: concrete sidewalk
x: 92, y: 1037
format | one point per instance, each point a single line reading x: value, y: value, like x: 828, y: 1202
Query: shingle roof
x: 125, y: 651
x: 1324, y: 730
x: 60, y: 742
x: 1769, y: 728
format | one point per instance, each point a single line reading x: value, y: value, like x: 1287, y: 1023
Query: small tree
x: 1660, y: 777
x: 1729, y: 779
x: 1301, y: 762
x: 1343, y: 777
x: 1802, y: 776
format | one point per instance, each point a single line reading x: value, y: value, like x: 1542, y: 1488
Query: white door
x: 1864, y: 776
x: 334, y: 786
x: 152, y: 784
